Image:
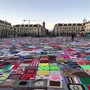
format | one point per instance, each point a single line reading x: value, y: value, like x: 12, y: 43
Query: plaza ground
x: 50, y: 63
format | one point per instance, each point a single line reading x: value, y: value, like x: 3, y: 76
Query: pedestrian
x: 72, y: 36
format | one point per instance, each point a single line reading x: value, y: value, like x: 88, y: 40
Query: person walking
x: 72, y: 36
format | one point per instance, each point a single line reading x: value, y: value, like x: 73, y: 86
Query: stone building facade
x: 29, y: 30
x: 64, y: 29
x: 5, y: 29
x: 87, y: 27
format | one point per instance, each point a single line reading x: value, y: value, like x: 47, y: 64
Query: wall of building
x: 87, y: 27
x: 5, y: 29
x: 29, y: 30
x: 67, y: 29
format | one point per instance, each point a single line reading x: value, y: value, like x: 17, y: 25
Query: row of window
x: 67, y: 30
x: 19, y: 34
x: 25, y: 31
x: 5, y: 24
x: 26, y: 28
x: 65, y: 33
x: 37, y: 25
x: 78, y: 24
x: 88, y: 30
x: 70, y: 28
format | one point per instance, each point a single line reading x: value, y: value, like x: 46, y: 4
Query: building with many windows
x: 87, y: 27
x: 5, y: 29
x: 60, y: 29
x: 64, y: 29
x: 29, y: 30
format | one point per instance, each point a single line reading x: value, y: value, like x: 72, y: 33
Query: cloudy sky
x: 50, y: 11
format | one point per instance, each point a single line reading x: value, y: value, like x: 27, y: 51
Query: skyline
x: 52, y: 12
